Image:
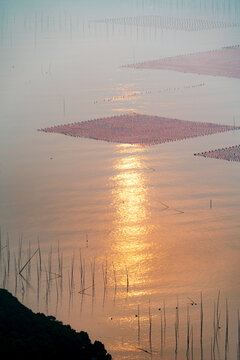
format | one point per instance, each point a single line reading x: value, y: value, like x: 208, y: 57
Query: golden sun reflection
x: 131, y: 228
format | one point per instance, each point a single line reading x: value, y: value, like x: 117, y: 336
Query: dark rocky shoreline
x: 26, y: 335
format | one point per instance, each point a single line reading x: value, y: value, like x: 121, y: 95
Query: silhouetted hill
x: 26, y: 335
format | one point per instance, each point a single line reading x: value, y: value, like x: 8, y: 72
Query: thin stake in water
x: 127, y: 280
x: 201, y: 327
x: 226, y: 333
x: 8, y: 256
x: 28, y: 261
x: 0, y: 244
x: 139, y: 328
x: 115, y: 282
x: 161, y: 328
x: 177, y: 327
x: 164, y: 321
x: 192, y: 342
x: 188, y: 334
x: 150, y: 327
x: 238, y: 344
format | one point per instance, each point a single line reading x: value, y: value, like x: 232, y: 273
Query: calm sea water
x: 127, y: 233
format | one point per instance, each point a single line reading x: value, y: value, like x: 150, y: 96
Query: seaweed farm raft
x: 138, y: 129
x: 229, y: 153
x: 223, y: 62
x: 169, y: 23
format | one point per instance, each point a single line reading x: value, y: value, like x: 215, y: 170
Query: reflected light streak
x: 132, y: 226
